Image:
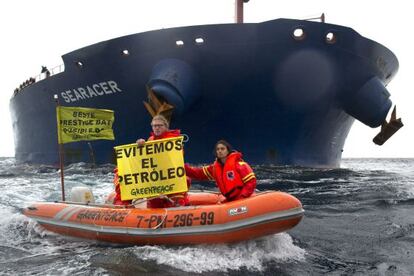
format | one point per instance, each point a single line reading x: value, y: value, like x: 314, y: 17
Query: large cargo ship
x: 283, y: 91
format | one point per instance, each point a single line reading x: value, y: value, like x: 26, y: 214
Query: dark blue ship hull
x: 277, y: 98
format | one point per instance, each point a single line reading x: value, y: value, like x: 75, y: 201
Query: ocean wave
x: 251, y: 255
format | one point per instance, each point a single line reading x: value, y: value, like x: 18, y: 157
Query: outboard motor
x: 82, y: 195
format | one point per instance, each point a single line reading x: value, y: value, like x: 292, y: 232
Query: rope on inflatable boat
x: 162, y: 221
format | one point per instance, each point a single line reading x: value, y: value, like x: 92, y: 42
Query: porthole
x: 179, y: 43
x: 330, y: 38
x: 79, y: 64
x: 299, y: 34
x: 125, y: 52
x: 199, y: 40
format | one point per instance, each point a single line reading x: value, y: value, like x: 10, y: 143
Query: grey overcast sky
x: 36, y: 33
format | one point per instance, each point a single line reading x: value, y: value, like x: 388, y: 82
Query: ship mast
x: 239, y: 11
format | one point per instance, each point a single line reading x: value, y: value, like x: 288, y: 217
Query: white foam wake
x: 251, y: 255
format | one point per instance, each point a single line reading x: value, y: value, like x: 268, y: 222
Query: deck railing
x: 50, y: 72
x: 46, y: 73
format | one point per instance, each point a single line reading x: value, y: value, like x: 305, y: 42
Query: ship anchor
x: 157, y: 106
x: 388, y: 128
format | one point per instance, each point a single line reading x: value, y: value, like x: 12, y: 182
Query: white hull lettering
x: 90, y: 91
x: 97, y: 89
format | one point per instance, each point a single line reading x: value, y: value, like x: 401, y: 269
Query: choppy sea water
x: 359, y: 220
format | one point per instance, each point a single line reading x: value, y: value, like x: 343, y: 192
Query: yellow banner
x: 151, y: 170
x: 84, y: 124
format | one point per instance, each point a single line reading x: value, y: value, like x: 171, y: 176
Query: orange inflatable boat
x: 205, y: 221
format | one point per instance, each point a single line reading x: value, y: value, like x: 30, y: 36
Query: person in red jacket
x: 160, y: 130
x: 117, y: 198
x: 234, y: 177
x: 160, y: 127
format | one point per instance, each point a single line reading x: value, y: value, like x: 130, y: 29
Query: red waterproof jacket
x: 235, y: 178
x: 117, y: 198
x: 167, y: 134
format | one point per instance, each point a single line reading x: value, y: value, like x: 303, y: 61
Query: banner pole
x: 61, y: 157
